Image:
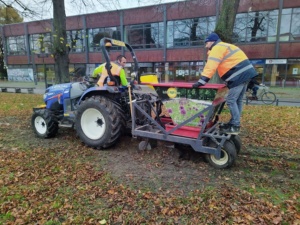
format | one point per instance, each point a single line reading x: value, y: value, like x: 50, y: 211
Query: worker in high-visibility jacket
x: 117, y: 70
x: 235, y: 69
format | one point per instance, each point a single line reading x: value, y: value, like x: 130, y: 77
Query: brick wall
x: 175, y: 11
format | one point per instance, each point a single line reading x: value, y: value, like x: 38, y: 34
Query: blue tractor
x: 100, y: 115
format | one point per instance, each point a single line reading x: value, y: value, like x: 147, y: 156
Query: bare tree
x: 225, y: 23
x: 8, y: 15
x: 60, y: 49
x: 257, y: 24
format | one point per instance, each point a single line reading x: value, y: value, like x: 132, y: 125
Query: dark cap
x: 212, y: 37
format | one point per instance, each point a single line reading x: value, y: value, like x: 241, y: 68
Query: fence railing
x: 278, y: 102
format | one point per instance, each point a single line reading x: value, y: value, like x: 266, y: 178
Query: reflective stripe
x: 223, y: 44
x: 201, y: 81
x: 214, y: 59
x: 231, y: 53
x: 239, y: 72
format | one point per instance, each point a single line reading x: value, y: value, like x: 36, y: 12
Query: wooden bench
x: 18, y: 89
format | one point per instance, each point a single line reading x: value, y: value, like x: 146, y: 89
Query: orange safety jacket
x: 231, y: 62
x: 115, y: 71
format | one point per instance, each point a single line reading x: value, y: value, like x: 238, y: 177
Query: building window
x: 16, y: 45
x: 272, y: 25
x: 96, y: 34
x: 145, y: 35
x: 292, y: 75
x: 239, y: 30
x: 189, y: 32
x: 40, y: 43
x: 76, y: 40
x: 290, y: 25
x: 256, y: 26
x: 45, y: 73
x: 295, y: 25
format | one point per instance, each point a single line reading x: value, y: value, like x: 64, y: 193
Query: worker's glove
x: 130, y: 84
x: 197, y: 84
x: 134, y: 85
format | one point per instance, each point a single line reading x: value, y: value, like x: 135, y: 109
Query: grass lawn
x: 287, y: 92
x: 60, y: 181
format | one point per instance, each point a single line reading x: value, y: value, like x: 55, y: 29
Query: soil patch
x: 164, y: 168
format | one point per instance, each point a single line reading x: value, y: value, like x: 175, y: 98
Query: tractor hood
x: 58, y: 87
x: 55, y: 90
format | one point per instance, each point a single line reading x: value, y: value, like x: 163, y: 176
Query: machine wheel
x: 268, y: 98
x: 44, y: 124
x: 228, y: 156
x: 237, y: 142
x: 144, y: 145
x: 99, y: 122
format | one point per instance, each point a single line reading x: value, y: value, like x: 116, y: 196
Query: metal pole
x: 45, y: 75
x: 278, y: 30
x: 35, y: 78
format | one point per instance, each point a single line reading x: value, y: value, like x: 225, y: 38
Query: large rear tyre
x: 99, y: 122
x: 44, y: 123
x: 268, y: 98
x: 228, y: 156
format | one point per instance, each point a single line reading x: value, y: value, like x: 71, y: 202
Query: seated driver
x: 117, y: 70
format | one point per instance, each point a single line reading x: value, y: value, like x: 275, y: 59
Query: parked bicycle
x: 263, y: 94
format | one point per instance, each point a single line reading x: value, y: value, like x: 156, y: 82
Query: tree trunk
x: 225, y: 23
x: 60, y: 49
x: 3, y: 72
x: 224, y: 27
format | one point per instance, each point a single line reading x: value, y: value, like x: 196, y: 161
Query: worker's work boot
x: 224, y: 126
x: 231, y: 130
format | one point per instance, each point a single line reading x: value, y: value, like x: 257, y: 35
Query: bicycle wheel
x: 268, y: 98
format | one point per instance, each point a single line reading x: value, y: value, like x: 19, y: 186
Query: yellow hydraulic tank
x: 149, y: 78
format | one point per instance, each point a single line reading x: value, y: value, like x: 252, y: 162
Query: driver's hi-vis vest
x: 115, y: 71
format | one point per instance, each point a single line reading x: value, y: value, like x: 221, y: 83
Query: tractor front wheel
x: 44, y: 123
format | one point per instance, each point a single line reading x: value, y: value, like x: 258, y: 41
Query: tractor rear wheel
x: 99, y: 122
x: 44, y: 123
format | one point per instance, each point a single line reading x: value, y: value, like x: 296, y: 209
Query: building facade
x: 168, y: 40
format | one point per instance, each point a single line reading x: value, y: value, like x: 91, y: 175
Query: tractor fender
x: 98, y: 91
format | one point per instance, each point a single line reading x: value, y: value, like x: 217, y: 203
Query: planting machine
x: 173, y: 112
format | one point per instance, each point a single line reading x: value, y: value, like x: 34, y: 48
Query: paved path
x: 280, y: 102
